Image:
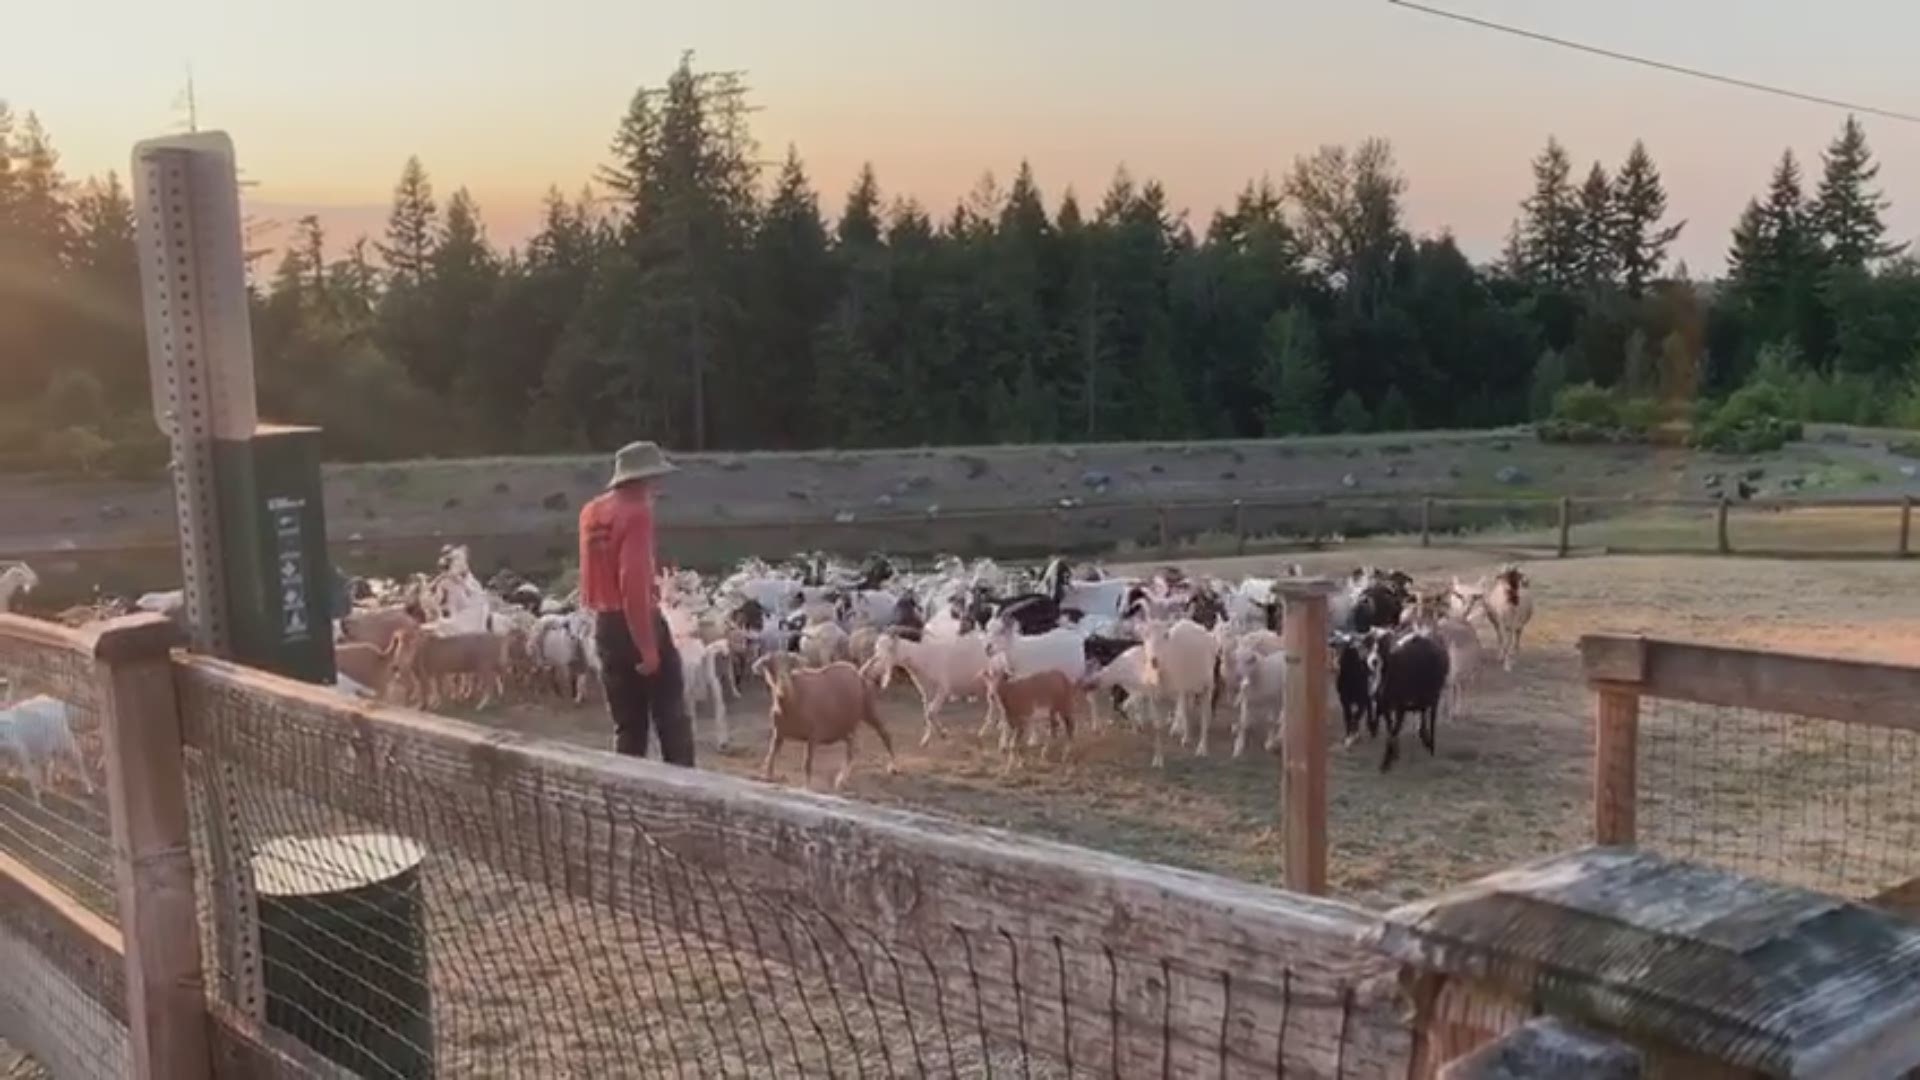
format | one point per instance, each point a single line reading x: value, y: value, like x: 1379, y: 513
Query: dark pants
x: 639, y: 702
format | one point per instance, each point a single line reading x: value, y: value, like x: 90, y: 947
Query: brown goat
x: 369, y: 666
x: 376, y: 626
x: 428, y: 660
x: 1048, y: 693
x: 816, y: 706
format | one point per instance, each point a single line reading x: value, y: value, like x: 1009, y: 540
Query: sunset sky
x: 326, y: 100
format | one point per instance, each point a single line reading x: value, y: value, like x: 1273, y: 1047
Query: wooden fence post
x: 1906, y: 526
x: 1566, y: 525
x: 1426, y: 521
x: 153, y: 856
x: 1166, y: 535
x: 1304, y: 742
x: 1239, y: 527
x: 1720, y: 527
x: 1615, y: 668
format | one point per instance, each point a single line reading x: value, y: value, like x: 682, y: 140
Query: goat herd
x: 829, y: 636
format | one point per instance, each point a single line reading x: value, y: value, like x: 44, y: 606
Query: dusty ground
x: 1510, y: 781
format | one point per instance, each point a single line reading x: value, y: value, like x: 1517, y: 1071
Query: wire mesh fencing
x: 409, y: 897
x: 1819, y: 803
x: 61, y: 984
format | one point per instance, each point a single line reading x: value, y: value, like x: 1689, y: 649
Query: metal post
x: 1720, y: 527
x: 1304, y: 770
x: 1566, y: 525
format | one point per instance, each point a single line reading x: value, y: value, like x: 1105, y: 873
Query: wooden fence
x: 1804, y: 768
x: 582, y: 912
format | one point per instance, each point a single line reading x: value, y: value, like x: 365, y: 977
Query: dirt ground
x: 1510, y: 780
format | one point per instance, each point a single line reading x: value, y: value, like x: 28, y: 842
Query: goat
x: 560, y: 655
x: 1021, y: 700
x: 17, y: 579
x: 1181, y: 662
x: 376, y: 626
x: 429, y: 659
x: 1509, y: 606
x: 940, y: 669
x: 1407, y: 673
x: 1352, y: 684
x: 369, y: 667
x: 816, y: 706
x: 36, y: 731
x: 822, y: 643
x: 1061, y: 650
x: 1262, y: 682
x: 700, y: 682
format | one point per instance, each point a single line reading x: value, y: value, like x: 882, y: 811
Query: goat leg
x: 934, y: 703
x: 807, y: 762
x: 773, y: 748
x: 846, y: 769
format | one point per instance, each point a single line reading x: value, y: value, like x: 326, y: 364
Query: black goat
x: 1352, y: 683
x: 907, y: 620
x: 750, y: 615
x: 1408, y: 674
x: 1032, y: 613
x: 1379, y: 606
x: 1205, y: 607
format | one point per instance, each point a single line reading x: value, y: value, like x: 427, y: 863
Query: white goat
x: 17, y: 579
x: 1127, y: 672
x: 1262, y: 682
x: 1509, y: 606
x: 700, y: 683
x: 939, y: 669
x: 822, y: 643
x: 35, y: 732
x: 1180, y: 665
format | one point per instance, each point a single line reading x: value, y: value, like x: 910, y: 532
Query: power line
x: 1659, y: 65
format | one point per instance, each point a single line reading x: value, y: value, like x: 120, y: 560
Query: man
x: 638, y: 662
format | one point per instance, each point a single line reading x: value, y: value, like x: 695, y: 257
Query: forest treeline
x: 692, y: 294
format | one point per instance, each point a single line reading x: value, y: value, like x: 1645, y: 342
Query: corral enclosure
x: 1511, y: 780
x: 590, y: 914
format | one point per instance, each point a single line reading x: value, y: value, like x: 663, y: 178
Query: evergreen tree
x: 1396, y: 414
x: 1550, y: 221
x: 1350, y: 414
x: 1296, y: 375
x: 1847, y: 211
x: 794, y: 284
x: 1640, y: 203
x: 1597, y: 235
x: 1642, y: 366
x: 860, y: 221
x: 1549, y: 377
x: 410, y: 226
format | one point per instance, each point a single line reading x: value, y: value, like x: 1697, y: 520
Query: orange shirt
x: 617, y: 561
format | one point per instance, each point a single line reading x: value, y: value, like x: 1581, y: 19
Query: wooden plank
x: 1831, y: 688
x: 1304, y: 768
x: 1614, y: 659
x: 970, y: 901
x: 81, y: 945
x: 146, y: 779
x: 1616, y: 763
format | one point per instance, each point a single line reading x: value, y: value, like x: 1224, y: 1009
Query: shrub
x: 1753, y: 420
x: 1586, y: 403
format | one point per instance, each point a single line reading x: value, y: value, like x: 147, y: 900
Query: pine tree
x: 1296, y: 374
x: 794, y: 285
x: 460, y: 285
x: 1549, y: 377
x: 860, y: 220
x: 1642, y: 366
x: 410, y: 226
x: 1396, y: 414
x: 1350, y: 414
x: 1550, y: 221
x: 1847, y: 211
x: 1597, y: 261
x: 1640, y: 202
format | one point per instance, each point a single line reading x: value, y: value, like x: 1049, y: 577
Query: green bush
x: 1586, y: 403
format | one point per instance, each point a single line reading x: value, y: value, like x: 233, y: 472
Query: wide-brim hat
x: 639, y: 461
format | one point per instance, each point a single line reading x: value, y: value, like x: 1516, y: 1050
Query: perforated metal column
x: 199, y: 343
